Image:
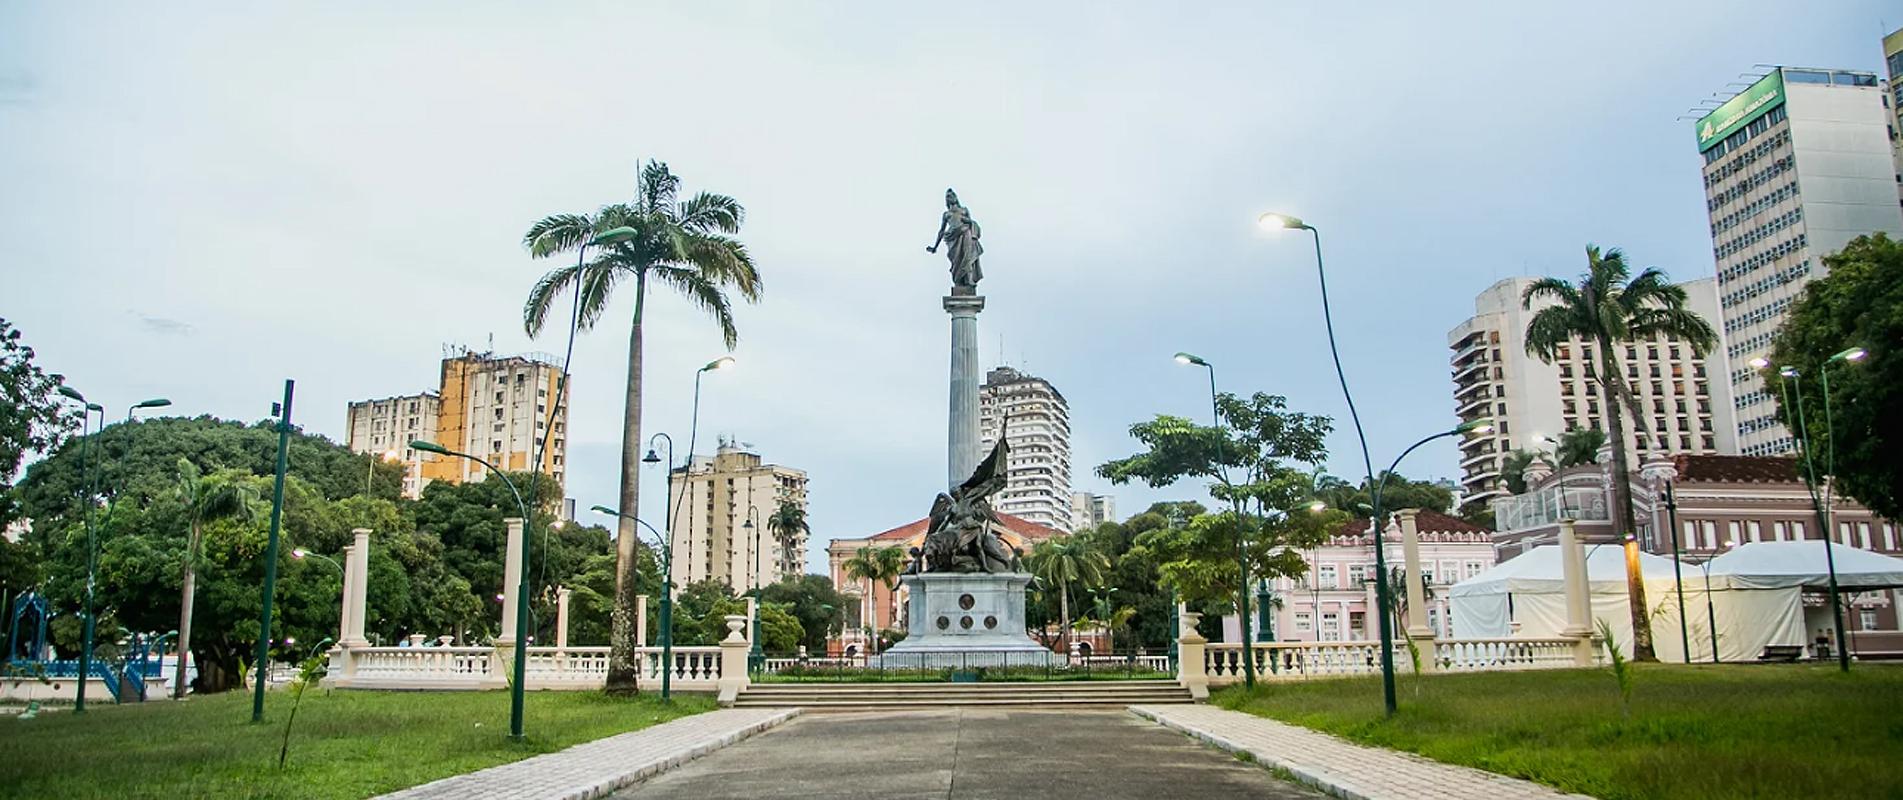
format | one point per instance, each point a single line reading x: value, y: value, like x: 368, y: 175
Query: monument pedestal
x: 971, y: 619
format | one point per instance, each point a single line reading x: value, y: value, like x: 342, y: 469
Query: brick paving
x: 604, y: 765
x: 1338, y: 767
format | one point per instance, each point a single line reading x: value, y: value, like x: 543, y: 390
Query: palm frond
x: 1561, y: 291
x: 542, y: 298
x: 597, y: 287
x: 1552, y: 327
x: 704, y: 294
x: 708, y: 212
x: 554, y: 234
x: 658, y: 188
x: 1676, y: 322
x: 725, y: 262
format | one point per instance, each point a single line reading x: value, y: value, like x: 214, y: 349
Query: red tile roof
x: 1737, y: 469
x: 1425, y: 521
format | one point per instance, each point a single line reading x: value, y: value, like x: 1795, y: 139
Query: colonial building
x: 724, y: 504
x: 883, y: 606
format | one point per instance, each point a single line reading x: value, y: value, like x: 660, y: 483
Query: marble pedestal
x: 966, y: 619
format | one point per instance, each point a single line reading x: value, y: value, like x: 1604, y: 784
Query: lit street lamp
x: 521, y: 590
x: 1242, y: 553
x: 301, y: 553
x: 1786, y: 377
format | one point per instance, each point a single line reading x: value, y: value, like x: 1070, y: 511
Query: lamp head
x: 723, y: 362
x: 298, y: 552
x: 1787, y: 372
x: 1277, y: 222
x: 1853, y: 354
x: 156, y: 402
x: 605, y: 510
x: 389, y: 455
x: 95, y: 407
x: 651, y: 458
x: 1317, y: 507
x: 1186, y: 358
x: 748, y: 525
x: 1475, y: 426
x: 613, y: 235
x: 72, y: 393
x: 428, y: 447
x: 1759, y: 363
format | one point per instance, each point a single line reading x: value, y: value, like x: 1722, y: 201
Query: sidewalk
x: 1338, y: 767
x: 604, y: 765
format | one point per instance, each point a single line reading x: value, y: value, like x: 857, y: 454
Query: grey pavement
x: 968, y: 753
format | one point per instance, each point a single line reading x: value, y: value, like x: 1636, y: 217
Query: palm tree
x: 1604, y: 310
x: 788, y: 525
x: 1062, y: 561
x: 684, y: 244
x: 220, y: 495
x: 1579, y: 446
x: 881, y: 565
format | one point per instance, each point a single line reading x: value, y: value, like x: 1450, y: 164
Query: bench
x: 1781, y: 652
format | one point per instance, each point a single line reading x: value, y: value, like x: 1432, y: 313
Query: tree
x: 221, y: 495
x: 812, y: 600
x: 684, y: 244
x: 881, y: 565
x: 1264, y: 443
x: 1065, y: 562
x: 31, y: 418
x: 1579, y: 446
x: 1602, y: 311
x: 1513, y: 469
x: 1859, y: 304
x: 789, y: 527
x: 1400, y: 492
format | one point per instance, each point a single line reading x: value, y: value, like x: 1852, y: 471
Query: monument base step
x: 876, y: 696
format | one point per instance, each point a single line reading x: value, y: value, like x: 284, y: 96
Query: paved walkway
x: 969, y: 753
x: 604, y: 765
x: 1339, y: 767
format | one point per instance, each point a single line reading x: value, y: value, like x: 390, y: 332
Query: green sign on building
x: 1739, y: 111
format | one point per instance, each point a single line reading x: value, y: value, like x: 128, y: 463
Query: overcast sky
x: 198, y: 201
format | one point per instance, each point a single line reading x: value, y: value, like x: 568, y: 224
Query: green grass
x: 344, y: 744
x: 1743, y: 731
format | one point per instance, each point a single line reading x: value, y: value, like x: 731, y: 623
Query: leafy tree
x: 1579, y: 446
x: 1067, y: 562
x: 1859, y: 304
x: 1606, y: 310
x: 31, y: 417
x: 1400, y: 492
x: 684, y: 244
x: 812, y: 600
x: 1513, y: 469
x: 225, y: 494
x: 881, y: 565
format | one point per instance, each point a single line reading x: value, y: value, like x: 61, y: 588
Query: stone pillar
x: 962, y: 440
x: 733, y: 659
x: 1189, y: 657
x: 1578, y: 597
x: 348, y: 600
x: 1416, y: 590
x: 640, y: 620
x: 359, y: 587
x: 511, y: 580
x: 561, y: 616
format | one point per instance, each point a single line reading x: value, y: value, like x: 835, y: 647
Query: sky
x: 199, y: 201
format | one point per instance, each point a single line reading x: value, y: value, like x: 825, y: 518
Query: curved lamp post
x: 756, y: 655
x: 521, y: 591
x: 89, y: 479
x: 693, y: 430
x: 667, y: 561
x: 1242, y: 554
x: 667, y: 618
x: 1794, y: 399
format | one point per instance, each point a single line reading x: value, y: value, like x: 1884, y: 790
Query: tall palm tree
x: 881, y: 565
x: 1064, y: 561
x: 1579, y: 446
x: 220, y: 495
x: 788, y: 525
x: 682, y: 244
x: 1606, y: 308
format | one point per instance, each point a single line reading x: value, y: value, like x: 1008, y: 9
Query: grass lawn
x: 1719, y: 731
x: 344, y: 744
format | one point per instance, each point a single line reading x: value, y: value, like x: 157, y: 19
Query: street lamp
x: 1711, y: 615
x: 156, y: 402
x: 1274, y: 221
x: 756, y: 655
x: 667, y: 594
x: 693, y: 430
x: 301, y: 553
x: 1242, y: 553
x: 89, y: 480
x: 1786, y: 377
x: 521, y: 591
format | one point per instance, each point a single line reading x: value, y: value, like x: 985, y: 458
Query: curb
x: 605, y: 785
x: 1324, y: 780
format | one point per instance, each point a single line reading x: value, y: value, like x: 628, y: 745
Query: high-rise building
x: 1684, y: 398
x: 717, y: 498
x: 1090, y: 510
x: 496, y: 407
x: 386, y: 427
x: 1038, y: 484
x: 1893, y: 60
x: 1796, y: 166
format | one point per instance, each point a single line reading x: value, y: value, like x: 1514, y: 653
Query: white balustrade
x: 1474, y: 655
x: 695, y: 668
x: 1284, y: 661
x: 420, y: 667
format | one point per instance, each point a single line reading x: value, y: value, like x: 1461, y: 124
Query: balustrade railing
x: 1275, y: 661
x: 1475, y: 655
x: 445, y: 664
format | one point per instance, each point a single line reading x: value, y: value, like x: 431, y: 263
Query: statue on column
x: 959, y: 536
x: 959, y: 233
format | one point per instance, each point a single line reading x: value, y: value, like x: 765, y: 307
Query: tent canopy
x: 1774, y: 565
x: 1541, y: 570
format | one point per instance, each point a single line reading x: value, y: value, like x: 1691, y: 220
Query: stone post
x: 348, y: 600
x: 501, y: 661
x: 359, y: 580
x: 962, y: 434
x: 640, y: 621
x: 1578, y: 597
x: 561, y: 617
x: 733, y: 659
x: 1417, y: 632
x: 1189, y: 659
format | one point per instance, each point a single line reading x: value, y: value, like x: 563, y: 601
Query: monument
x: 965, y: 584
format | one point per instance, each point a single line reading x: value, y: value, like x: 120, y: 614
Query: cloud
x: 162, y: 325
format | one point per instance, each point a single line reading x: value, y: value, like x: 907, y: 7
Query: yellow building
x: 496, y: 407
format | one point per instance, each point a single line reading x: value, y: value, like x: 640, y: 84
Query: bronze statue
x: 959, y: 535
x: 959, y: 233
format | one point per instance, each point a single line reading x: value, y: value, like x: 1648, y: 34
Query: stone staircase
x: 815, y: 697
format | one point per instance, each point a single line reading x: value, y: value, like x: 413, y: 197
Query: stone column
x: 511, y: 580
x: 640, y: 620
x: 1578, y: 598
x: 733, y: 659
x: 359, y: 587
x: 561, y: 617
x: 1189, y: 656
x: 349, y: 598
x: 1416, y: 591
x: 962, y: 440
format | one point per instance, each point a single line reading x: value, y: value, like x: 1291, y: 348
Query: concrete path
x: 969, y: 753
x: 1341, y: 768
x: 604, y: 765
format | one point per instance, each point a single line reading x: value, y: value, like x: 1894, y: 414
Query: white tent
x: 1777, y: 565
x: 1531, y: 590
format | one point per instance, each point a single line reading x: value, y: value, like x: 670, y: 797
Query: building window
x: 1331, y: 626
x: 1867, y: 619
x: 1326, y: 577
x: 1302, y: 621
x: 1755, y: 532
